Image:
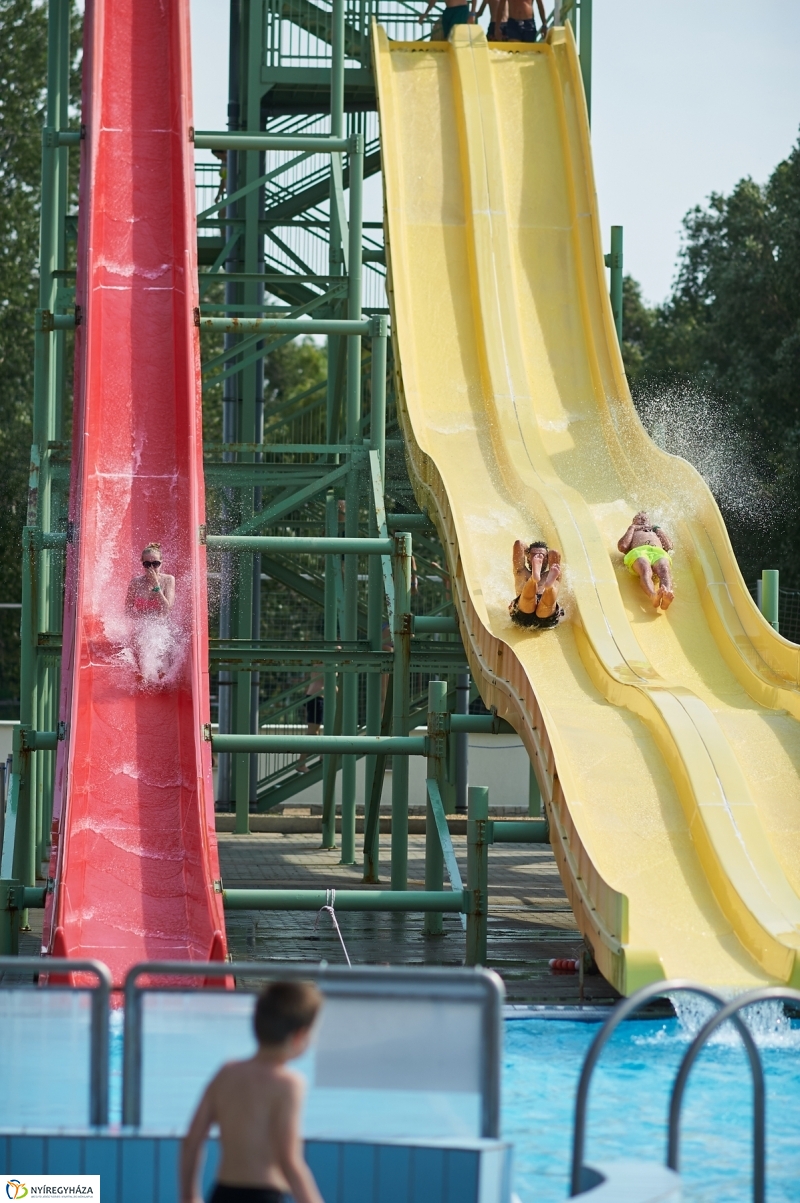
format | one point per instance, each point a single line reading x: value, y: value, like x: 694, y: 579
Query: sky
x: 687, y: 99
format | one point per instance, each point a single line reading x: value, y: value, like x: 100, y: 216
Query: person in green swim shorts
x: 648, y: 554
x: 455, y: 13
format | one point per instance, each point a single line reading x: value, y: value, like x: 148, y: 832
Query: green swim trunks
x: 646, y: 552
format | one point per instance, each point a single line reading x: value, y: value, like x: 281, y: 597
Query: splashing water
x: 683, y: 421
x: 768, y: 1023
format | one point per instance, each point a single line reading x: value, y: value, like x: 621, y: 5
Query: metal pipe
x: 375, y: 595
x: 614, y: 261
x: 479, y: 724
x: 410, y: 522
x: 586, y: 52
x: 434, y: 857
x: 40, y: 741
x: 350, y: 680
x: 446, y: 901
x: 462, y: 741
x: 329, y: 694
x: 731, y: 1010
x: 401, y: 705
x: 377, y: 424
x: 518, y: 831
x: 477, y: 874
x: 337, y: 70
x: 286, y: 325
x: 341, y: 745
x: 622, y: 1011
x: 227, y: 140
x: 352, y: 435
x: 535, y: 806
x: 302, y: 543
x: 770, y: 596
x: 424, y: 624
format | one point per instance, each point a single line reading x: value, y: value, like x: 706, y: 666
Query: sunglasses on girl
x: 151, y: 563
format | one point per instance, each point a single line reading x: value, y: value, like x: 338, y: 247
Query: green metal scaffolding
x: 307, y: 496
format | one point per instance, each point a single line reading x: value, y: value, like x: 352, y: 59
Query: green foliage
x: 23, y: 74
x: 729, y: 336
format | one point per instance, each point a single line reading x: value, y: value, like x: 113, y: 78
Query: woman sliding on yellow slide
x: 648, y: 554
x: 537, y: 576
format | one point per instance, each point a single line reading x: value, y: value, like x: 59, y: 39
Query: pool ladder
x: 644, y: 1182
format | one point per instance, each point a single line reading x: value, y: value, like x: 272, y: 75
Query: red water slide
x: 135, y: 856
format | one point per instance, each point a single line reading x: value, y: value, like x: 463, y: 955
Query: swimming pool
x: 542, y: 1060
x: 629, y: 1100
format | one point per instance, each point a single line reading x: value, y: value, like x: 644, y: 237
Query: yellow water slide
x: 667, y: 745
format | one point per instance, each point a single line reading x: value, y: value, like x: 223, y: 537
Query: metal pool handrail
x: 621, y: 1012
x: 730, y: 1011
x: 98, y: 1032
x: 459, y: 985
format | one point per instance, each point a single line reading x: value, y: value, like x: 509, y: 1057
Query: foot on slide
x: 667, y: 598
x: 656, y: 598
x: 554, y: 569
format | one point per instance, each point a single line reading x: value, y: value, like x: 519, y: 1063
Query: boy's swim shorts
x: 246, y: 1194
x: 455, y: 14
x: 645, y: 552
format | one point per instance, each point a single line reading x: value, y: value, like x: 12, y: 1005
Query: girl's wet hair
x: 152, y: 547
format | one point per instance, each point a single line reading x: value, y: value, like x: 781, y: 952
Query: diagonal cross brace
x: 380, y: 518
x: 287, y: 504
x: 338, y: 193
x: 443, y: 831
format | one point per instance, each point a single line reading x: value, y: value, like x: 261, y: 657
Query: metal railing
x: 99, y: 1022
x: 460, y: 985
x: 581, y: 1175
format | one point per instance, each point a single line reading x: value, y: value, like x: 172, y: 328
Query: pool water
x: 629, y: 1101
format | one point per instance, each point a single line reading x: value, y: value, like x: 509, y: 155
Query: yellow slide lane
x: 667, y: 746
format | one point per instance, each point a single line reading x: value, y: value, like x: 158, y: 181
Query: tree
x: 23, y: 74
x: 726, y: 347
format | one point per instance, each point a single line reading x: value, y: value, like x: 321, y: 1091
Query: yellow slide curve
x: 667, y: 746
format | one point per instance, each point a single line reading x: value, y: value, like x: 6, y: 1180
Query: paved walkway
x: 530, y: 921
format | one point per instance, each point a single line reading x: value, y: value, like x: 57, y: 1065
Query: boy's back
x: 257, y: 1105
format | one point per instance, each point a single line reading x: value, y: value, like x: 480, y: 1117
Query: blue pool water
x: 44, y: 1037
x: 629, y: 1101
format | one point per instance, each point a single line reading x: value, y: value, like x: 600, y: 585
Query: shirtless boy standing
x: 647, y: 551
x: 257, y: 1105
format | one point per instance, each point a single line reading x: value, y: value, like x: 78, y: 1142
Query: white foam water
x: 768, y: 1022
x: 683, y: 421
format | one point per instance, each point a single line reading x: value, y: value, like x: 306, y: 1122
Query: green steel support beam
x: 423, y: 624
x: 225, y: 140
x: 436, y: 805
x: 378, y: 515
x: 770, y: 597
x: 378, y: 572
x: 302, y: 544
x: 341, y: 745
x: 614, y: 261
x: 434, y: 836
x: 535, y: 808
x: 346, y: 900
x: 401, y: 707
x: 330, y: 692
x: 518, y: 831
x: 479, y: 724
x: 586, y: 51
x: 477, y: 874
x: 296, y: 326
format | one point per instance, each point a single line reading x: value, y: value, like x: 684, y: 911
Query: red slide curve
x: 135, y: 856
